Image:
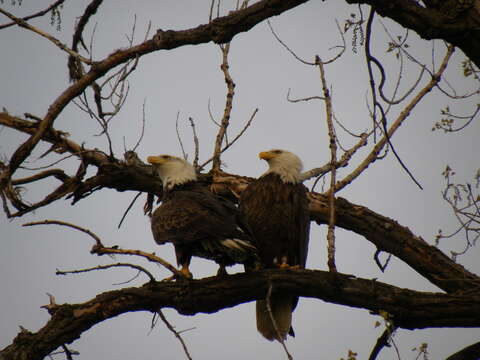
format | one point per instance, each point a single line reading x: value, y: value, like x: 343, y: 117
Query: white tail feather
x: 238, y: 244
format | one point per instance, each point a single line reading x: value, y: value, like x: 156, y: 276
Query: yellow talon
x: 185, y: 272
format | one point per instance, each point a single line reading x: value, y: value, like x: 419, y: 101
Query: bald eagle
x: 197, y: 222
x: 276, y: 209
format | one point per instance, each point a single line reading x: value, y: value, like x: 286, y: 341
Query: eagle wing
x: 192, y: 216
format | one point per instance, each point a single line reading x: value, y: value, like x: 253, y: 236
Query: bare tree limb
x: 333, y: 160
x: 220, y: 30
x: 409, y: 309
x: 175, y: 332
x: 372, y: 157
x: 55, y: 5
x: 225, y: 122
x: 457, y: 24
x: 22, y: 23
x: 104, y: 267
x: 469, y: 353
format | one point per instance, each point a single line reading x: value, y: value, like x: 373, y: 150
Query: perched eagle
x: 276, y: 209
x: 197, y: 222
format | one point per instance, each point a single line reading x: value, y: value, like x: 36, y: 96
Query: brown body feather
x: 197, y: 223
x: 277, y: 214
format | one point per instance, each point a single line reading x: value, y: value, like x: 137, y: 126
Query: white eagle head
x: 173, y: 170
x: 284, y: 163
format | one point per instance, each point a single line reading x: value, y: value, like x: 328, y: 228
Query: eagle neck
x: 192, y: 185
x: 287, y: 177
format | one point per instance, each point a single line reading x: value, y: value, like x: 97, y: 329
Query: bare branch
x: 175, y: 332
x: 302, y: 99
x: 469, y: 353
x: 247, y: 125
x: 55, y: 5
x: 104, y: 267
x: 220, y: 30
x: 410, y: 309
x: 22, y: 23
x: 274, y: 322
x: 101, y: 250
x: 143, y: 128
x: 63, y: 223
x: 333, y: 161
x: 320, y: 171
x: 128, y: 209
x: 195, y: 141
x: 179, y: 138
x: 286, y: 47
x: 372, y: 157
x: 216, y: 162
x: 382, y: 341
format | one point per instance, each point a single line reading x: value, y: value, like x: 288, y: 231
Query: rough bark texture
x: 455, y: 21
x: 385, y: 233
x: 409, y: 309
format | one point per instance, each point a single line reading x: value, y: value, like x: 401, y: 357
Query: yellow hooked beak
x: 266, y: 155
x: 156, y: 160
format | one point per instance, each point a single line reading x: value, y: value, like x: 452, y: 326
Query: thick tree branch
x: 409, y: 309
x: 469, y: 353
x: 457, y: 22
x: 389, y: 236
x: 385, y: 233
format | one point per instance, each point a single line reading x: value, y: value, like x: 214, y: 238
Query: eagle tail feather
x: 281, y: 307
x: 237, y: 244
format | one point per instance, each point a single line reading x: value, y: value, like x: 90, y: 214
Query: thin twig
x: 247, y: 125
x: 22, y: 23
x: 343, y: 162
x: 56, y: 4
x: 179, y: 138
x: 272, y: 318
x: 175, y: 332
x: 101, y: 250
x: 128, y: 209
x: 286, y: 46
x: 372, y: 156
x: 63, y: 223
x: 104, y: 267
x: 196, y: 142
x: 143, y: 127
x: 302, y: 99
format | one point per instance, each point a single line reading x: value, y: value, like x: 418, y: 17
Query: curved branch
x: 220, y: 30
x: 469, y: 353
x: 385, y: 233
x: 457, y: 22
x: 409, y: 309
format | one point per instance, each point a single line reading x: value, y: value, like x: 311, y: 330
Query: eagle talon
x: 186, y: 273
x: 288, y: 267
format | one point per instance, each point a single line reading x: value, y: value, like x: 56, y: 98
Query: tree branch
x: 385, y: 233
x: 457, y: 22
x: 409, y: 309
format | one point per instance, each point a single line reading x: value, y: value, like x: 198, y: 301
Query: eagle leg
x: 222, y: 271
x: 284, y: 264
x: 185, y: 271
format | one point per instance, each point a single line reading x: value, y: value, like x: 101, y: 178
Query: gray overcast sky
x: 33, y: 73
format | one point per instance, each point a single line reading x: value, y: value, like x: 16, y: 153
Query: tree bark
x: 385, y: 233
x: 455, y: 21
x: 408, y: 309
